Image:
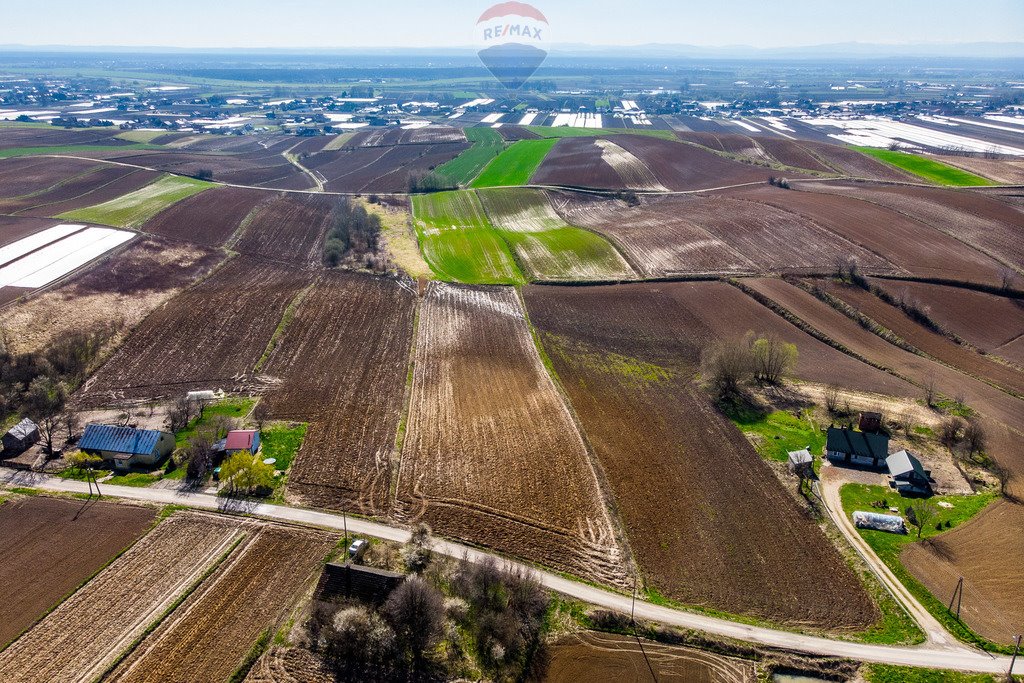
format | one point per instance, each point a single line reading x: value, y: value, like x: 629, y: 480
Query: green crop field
x: 516, y: 164
x: 929, y: 169
x: 487, y: 144
x: 544, y: 245
x: 68, y: 149
x: 459, y: 243
x: 567, y: 132
x: 135, y: 208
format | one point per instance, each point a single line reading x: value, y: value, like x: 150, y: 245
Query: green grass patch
x: 132, y: 210
x: 887, y: 673
x: 889, y: 546
x: 567, y: 132
x: 231, y: 407
x: 487, y: 144
x: 137, y: 479
x: 929, y: 169
x: 282, y: 442
x: 545, y: 247
x: 777, y: 433
x: 458, y: 241
x: 75, y: 474
x: 141, y: 136
x: 516, y: 164
x: 67, y: 149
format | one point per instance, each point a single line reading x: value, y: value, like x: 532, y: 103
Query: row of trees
x: 353, y: 238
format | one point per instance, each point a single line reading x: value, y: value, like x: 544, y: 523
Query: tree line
x: 353, y: 239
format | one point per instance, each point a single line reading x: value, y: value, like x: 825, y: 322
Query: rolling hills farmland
x: 515, y: 165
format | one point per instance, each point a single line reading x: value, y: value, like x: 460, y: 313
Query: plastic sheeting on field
x: 872, y: 520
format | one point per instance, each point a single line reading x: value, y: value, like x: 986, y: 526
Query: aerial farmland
x: 333, y: 375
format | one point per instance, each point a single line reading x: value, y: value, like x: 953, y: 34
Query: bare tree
x: 261, y: 414
x: 974, y: 437
x: 71, y: 424
x: 950, y: 431
x: 929, y: 390
x: 729, y: 366
x: 418, y: 552
x: 198, y: 459
x: 1007, y: 278
x: 773, y: 359
x: 907, y: 422
x: 832, y: 398
x: 45, y: 401
x: 921, y: 513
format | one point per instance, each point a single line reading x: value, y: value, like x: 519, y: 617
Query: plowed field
x: 45, y: 558
x: 707, y: 521
x: 988, y: 553
x: 909, y: 244
x: 83, y: 636
x: 343, y: 365
x: 25, y: 175
x: 290, y: 227
x: 209, y: 217
x: 594, y: 162
x: 206, y: 639
x: 379, y: 168
x: 491, y: 454
x: 712, y: 235
x: 13, y: 228
x: 209, y: 336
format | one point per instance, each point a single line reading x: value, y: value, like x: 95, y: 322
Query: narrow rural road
x: 955, y: 656
x: 831, y: 482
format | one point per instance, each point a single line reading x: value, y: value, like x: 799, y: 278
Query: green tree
x: 245, y: 473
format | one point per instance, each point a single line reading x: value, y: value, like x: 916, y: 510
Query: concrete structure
x: 126, y: 447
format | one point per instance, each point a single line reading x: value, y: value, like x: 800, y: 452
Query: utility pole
x: 632, y: 609
x: 344, y: 516
x: 958, y: 595
x: 1013, y: 660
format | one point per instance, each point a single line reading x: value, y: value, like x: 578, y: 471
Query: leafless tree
x: 729, y: 367
x: 929, y: 390
x: 71, y: 423
x: 832, y: 398
x: 1007, y: 278
x: 418, y: 552
x: 974, y: 437
x: 415, y: 611
x: 907, y: 422
x: 773, y: 359
x: 261, y: 414
x: 45, y: 401
x: 921, y: 513
x: 950, y: 431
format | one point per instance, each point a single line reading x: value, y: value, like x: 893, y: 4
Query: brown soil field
x: 13, y: 228
x: 45, y: 557
x: 289, y: 227
x: 982, y: 222
x: 379, y: 168
x: 595, y: 656
x: 852, y: 163
x: 516, y: 133
x: 985, y: 320
x: 209, y: 217
x: 909, y: 244
x: 25, y: 175
x: 266, y: 168
x: 691, y: 234
x: 207, y: 637
x: 386, y: 137
x: 120, y: 289
x: 1012, y: 351
x: 342, y: 365
x: 289, y: 665
x: 999, y: 407
x: 793, y: 153
x: 11, y: 138
x: 82, y: 637
x: 1004, y: 171
x: 209, y: 336
x: 679, y: 166
x: 491, y: 454
x: 732, y: 143
x: 627, y: 363
x: 993, y: 582
x: 594, y: 162
x: 817, y: 361
x: 96, y: 194
x: 932, y: 343
x: 73, y: 186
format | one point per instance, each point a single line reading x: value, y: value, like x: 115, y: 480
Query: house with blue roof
x: 126, y: 447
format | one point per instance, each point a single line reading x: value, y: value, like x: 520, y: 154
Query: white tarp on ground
x: 746, y: 126
x: 528, y: 119
x: 873, y: 520
x: 578, y: 121
x: 491, y: 118
x: 35, y: 241
x: 61, y: 257
x: 873, y: 131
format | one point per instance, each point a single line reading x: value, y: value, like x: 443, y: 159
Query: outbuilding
x: 847, y: 446
x: 20, y: 437
x: 238, y: 440
x: 909, y: 477
x: 801, y: 462
x: 126, y: 447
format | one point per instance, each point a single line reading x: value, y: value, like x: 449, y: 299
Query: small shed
x: 801, y: 462
x: 348, y: 581
x: 907, y: 474
x: 126, y: 447
x: 238, y: 440
x: 870, y: 422
x: 20, y: 437
x: 847, y: 446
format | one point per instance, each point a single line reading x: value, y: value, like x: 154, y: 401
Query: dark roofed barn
x: 126, y: 447
x: 846, y: 446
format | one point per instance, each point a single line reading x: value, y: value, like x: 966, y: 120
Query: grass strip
x: 929, y: 169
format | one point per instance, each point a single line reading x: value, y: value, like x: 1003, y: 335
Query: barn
x: 20, y: 437
x: 239, y: 440
x: 909, y: 477
x: 126, y: 447
x: 850, y: 447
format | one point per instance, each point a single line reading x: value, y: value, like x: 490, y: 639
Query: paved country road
x: 950, y: 656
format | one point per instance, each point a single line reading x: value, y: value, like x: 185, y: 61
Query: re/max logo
x: 512, y: 30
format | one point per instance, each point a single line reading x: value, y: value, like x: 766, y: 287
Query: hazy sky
x: 345, y: 23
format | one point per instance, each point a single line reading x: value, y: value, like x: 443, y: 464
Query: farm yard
x: 342, y: 366
x: 80, y: 639
x: 46, y: 558
x: 627, y: 363
x: 491, y: 454
x: 207, y: 637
